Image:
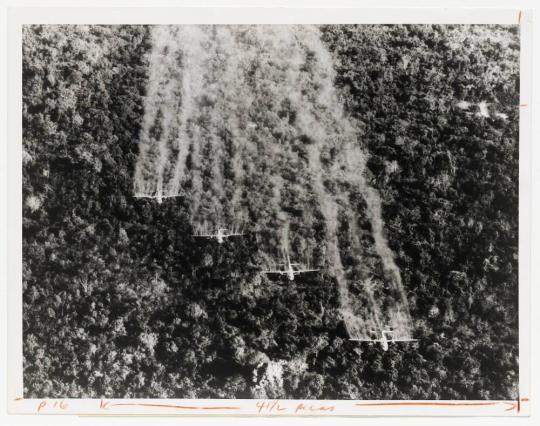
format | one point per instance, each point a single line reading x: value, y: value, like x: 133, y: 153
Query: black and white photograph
x: 271, y: 211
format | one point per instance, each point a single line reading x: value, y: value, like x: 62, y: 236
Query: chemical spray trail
x: 159, y: 134
x: 396, y: 316
x: 311, y: 97
x: 324, y: 124
x: 355, y: 326
x: 247, y: 120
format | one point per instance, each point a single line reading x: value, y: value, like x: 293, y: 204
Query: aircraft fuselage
x: 290, y: 273
x: 219, y: 236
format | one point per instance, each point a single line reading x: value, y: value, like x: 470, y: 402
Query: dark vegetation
x: 120, y: 301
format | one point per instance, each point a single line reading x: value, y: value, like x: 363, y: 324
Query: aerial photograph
x: 323, y: 212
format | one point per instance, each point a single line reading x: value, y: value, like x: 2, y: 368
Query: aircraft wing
x: 274, y: 272
x: 366, y: 340
x: 403, y: 340
x: 307, y: 270
x: 204, y: 235
x: 232, y: 235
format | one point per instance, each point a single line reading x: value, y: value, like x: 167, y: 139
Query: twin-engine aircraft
x: 219, y: 235
x: 385, y: 340
x: 159, y: 196
x: 290, y: 269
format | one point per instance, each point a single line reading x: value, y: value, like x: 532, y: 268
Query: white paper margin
x: 143, y: 15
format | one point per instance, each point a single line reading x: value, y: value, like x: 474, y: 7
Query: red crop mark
x: 442, y: 404
x: 178, y: 407
x: 523, y: 105
x: 519, y: 401
x: 520, y: 15
x: 510, y: 406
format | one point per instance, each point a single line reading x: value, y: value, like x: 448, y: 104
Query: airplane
x: 220, y: 235
x: 159, y: 196
x: 291, y: 269
x: 384, y: 340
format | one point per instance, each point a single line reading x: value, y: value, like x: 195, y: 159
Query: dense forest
x: 120, y: 300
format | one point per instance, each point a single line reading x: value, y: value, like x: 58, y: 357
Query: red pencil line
x: 180, y: 407
x: 519, y: 18
x: 445, y: 404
